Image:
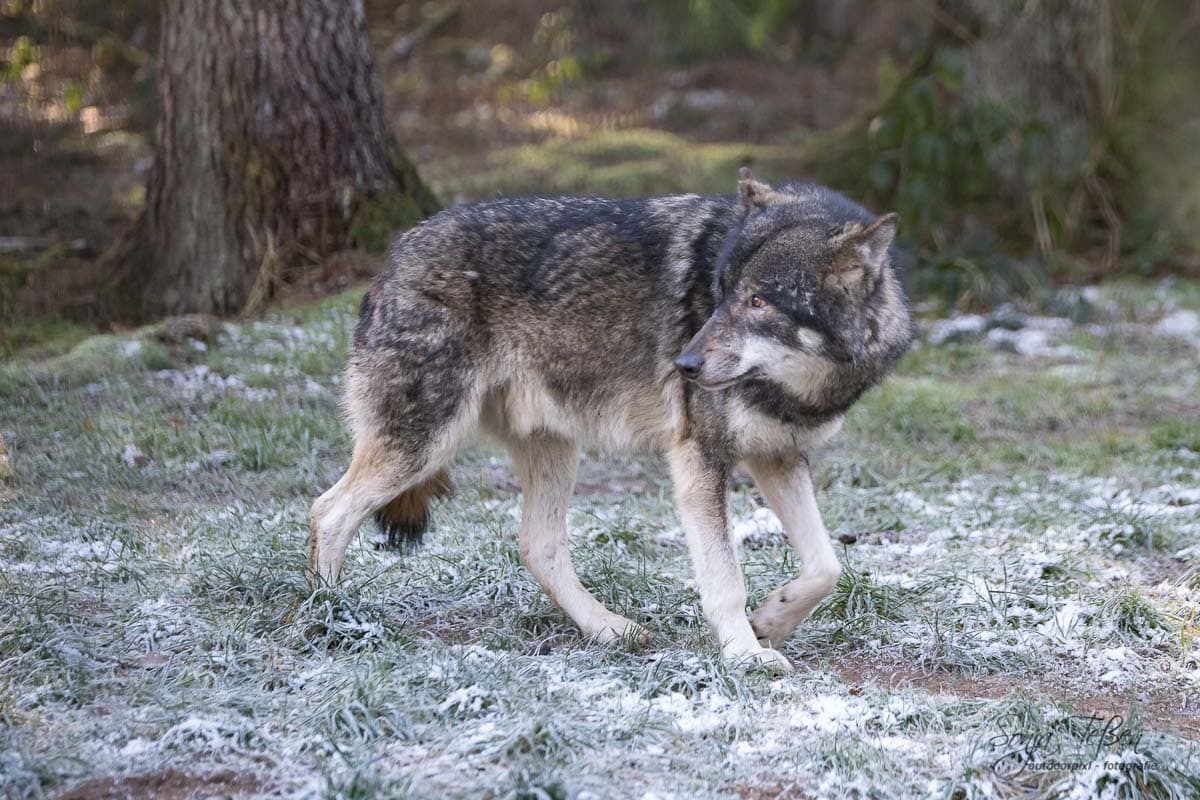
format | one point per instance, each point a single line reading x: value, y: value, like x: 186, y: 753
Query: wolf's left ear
x: 863, y: 252
x: 755, y: 194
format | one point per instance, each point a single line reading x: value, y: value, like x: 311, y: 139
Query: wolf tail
x: 405, y: 519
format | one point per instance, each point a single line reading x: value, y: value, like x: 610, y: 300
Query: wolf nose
x: 689, y: 364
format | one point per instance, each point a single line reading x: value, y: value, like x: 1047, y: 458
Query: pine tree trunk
x: 271, y: 149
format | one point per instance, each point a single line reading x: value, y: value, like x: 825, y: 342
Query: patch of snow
x: 212, y: 460
x: 1183, y: 324
x: 973, y: 592
x: 1059, y: 325
x: 465, y: 699
x: 1062, y: 626
x: 960, y: 328
x: 137, y: 747
x: 759, y: 526
x: 200, y: 377
x: 832, y: 713
x: 1029, y: 342
x: 1113, y: 665
x: 708, y: 713
x: 132, y: 456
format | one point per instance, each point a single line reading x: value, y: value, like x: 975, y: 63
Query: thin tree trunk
x: 271, y: 149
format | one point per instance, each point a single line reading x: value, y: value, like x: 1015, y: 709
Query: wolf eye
x: 757, y: 302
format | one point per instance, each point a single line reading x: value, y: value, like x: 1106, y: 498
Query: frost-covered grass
x: 1020, y: 608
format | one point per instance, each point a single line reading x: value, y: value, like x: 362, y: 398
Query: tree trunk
x: 271, y: 149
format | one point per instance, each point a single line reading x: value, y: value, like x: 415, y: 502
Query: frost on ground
x: 1018, y: 512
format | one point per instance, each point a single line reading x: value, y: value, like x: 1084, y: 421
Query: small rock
x: 218, y: 457
x: 177, y: 330
x: 957, y: 330
x: 213, y: 460
x: 134, y: 457
x: 1056, y: 325
x: 153, y: 660
x: 1023, y: 342
x: 715, y: 100
x: 1080, y: 305
x: 1006, y: 317
x: 1182, y: 324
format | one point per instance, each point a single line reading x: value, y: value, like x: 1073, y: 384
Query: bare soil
x: 1171, y: 711
x: 168, y: 784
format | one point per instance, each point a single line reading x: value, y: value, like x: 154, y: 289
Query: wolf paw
x: 761, y: 658
x: 620, y: 629
x: 769, y: 623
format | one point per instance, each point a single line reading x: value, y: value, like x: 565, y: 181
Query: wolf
x: 716, y: 330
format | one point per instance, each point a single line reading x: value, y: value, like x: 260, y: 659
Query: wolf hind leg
x: 372, y: 481
x: 787, y: 486
x: 407, y: 425
x: 383, y: 478
x: 545, y: 467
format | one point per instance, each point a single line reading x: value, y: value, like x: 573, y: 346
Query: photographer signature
x: 1088, y: 736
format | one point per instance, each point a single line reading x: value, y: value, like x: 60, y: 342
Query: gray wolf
x: 715, y: 330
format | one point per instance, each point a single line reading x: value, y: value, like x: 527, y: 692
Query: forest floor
x: 526, y: 99
x: 1018, y: 511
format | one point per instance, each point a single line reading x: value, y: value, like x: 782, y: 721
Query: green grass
x: 610, y: 162
x: 1021, y: 533
x: 40, y: 338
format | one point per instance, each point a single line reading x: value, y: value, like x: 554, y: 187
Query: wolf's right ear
x: 755, y: 194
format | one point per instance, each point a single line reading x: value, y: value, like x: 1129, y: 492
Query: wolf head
x: 806, y: 292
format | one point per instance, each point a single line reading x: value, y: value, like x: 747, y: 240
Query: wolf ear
x: 862, y: 253
x: 755, y: 194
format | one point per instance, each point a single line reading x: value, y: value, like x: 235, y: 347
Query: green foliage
x: 73, y: 94
x: 959, y: 170
x: 101, y: 356
x: 378, y: 218
x: 908, y: 411
x: 1158, y: 142
x: 707, y: 26
x: 21, y: 54
x: 634, y: 161
x: 858, y: 595
x: 562, y: 65
x: 45, y: 337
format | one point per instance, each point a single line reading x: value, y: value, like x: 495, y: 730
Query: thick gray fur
x: 717, y: 330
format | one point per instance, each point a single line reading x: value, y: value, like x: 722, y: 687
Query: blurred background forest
x: 1025, y: 143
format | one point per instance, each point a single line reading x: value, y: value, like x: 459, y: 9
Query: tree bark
x: 271, y: 149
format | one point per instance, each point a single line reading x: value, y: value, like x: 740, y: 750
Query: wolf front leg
x: 545, y: 466
x: 787, y: 485
x: 701, y: 490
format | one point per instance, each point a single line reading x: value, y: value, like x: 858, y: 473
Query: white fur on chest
x: 760, y: 434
